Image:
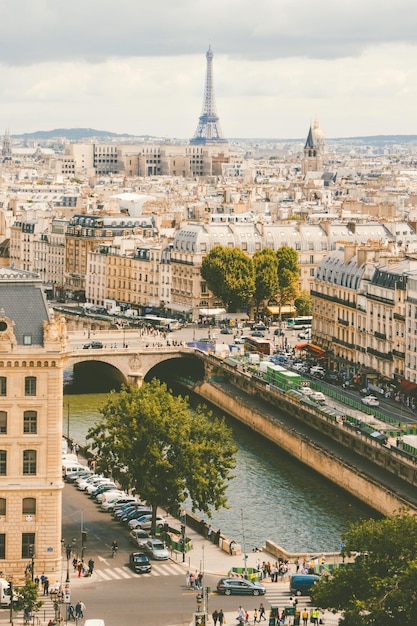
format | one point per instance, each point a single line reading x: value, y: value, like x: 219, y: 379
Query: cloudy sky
x: 136, y: 66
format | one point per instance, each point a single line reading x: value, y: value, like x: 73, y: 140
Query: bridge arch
x: 106, y: 369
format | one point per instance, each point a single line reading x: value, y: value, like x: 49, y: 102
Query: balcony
x: 386, y: 356
x: 346, y: 344
x: 342, y: 321
x: 398, y: 354
x: 399, y: 317
x: 379, y: 335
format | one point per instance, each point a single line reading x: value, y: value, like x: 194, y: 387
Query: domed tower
x: 313, y: 150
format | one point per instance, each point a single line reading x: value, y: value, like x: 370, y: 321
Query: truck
x: 5, y: 592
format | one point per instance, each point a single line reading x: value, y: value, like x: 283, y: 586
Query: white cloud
x: 139, y: 67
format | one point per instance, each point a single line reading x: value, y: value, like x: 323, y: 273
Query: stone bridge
x: 131, y: 365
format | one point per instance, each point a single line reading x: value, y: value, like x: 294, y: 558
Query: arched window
x: 30, y: 422
x: 29, y: 506
x: 29, y: 462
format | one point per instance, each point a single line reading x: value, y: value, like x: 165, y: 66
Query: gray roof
x: 22, y: 300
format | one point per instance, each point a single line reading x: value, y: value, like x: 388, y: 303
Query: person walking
x: 305, y: 617
x: 220, y: 617
x: 90, y: 567
x: 255, y: 616
x: 262, y: 612
x: 215, y: 616
x: 45, y: 586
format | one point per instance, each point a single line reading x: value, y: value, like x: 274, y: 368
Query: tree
x: 303, y: 303
x: 152, y: 441
x: 229, y: 274
x: 265, y: 264
x: 288, y: 274
x: 379, y: 588
x: 26, y: 598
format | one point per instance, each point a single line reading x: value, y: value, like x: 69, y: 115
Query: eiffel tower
x: 208, y: 130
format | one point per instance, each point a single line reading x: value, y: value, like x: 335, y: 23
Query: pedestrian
x: 255, y: 616
x: 200, y: 580
x: 192, y: 581
x: 45, y: 586
x: 80, y: 567
x: 215, y: 616
x: 246, y: 617
x: 297, y: 565
x: 241, y: 614
x: 187, y: 579
x: 262, y: 612
x: 90, y: 567
x: 220, y: 617
x: 210, y: 532
x: 75, y: 563
x: 71, y: 612
x: 305, y: 617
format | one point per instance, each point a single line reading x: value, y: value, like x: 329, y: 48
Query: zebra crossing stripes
x: 117, y: 573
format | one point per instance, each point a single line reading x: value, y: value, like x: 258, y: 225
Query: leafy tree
x: 288, y: 273
x: 303, y: 303
x: 229, y: 274
x: 26, y: 598
x: 152, y: 441
x: 265, y: 265
x: 379, y: 588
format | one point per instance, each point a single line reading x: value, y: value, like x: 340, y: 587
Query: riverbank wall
x: 319, y: 457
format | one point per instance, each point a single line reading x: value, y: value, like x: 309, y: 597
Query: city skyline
x: 139, y: 69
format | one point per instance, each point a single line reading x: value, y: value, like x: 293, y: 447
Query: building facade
x: 32, y: 348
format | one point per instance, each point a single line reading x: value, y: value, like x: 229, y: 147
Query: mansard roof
x: 333, y: 269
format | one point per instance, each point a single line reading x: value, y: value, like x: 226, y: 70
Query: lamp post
x: 68, y: 550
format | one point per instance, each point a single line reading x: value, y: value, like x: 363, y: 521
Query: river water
x: 272, y: 496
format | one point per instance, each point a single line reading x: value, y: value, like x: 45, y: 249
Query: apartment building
x: 32, y: 347
x: 360, y: 314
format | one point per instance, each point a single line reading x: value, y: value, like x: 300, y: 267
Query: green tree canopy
x: 229, y: 274
x: 26, y: 598
x: 303, y: 303
x: 265, y: 263
x: 288, y: 275
x: 151, y: 440
x: 380, y: 587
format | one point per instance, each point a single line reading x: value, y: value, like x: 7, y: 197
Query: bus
x: 256, y: 344
x: 161, y: 323
x: 297, y: 323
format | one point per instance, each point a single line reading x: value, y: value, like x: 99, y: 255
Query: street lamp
x: 68, y: 555
x: 32, y: 557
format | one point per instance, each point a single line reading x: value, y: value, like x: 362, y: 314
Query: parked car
x: 370, y: 401
x: 138, y: 537
x: 145, y: 521
x: 305, y: 334
x: 259, y: 326
x: 258, y: 333
x: 96, y: 345
x: 307, y: 391
x: 318, y: 397
x: 139, y: 562
x: 235, y: 586
x: 279, y: 332
x: 226, y: 331
x: 239, y: 340
x: 156, y: 550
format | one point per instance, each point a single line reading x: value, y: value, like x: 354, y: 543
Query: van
x: 94, y: 622
x: 74, y: 468
x: 301, y: 584
x: 5, y: 592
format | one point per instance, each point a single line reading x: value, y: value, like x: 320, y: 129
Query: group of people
x: 79, y: 566
x: 278, y: 570
x: 194, y: 581
x: 243, y: 616
x: 76, y: 612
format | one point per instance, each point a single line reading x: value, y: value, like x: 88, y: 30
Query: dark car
x: 97, y: 345
x: 239, y: 586
x: 279, y: 332
x: 226, y: 331
x: 139, y: 562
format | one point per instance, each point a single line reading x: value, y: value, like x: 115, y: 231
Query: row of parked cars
x: 129, y: 511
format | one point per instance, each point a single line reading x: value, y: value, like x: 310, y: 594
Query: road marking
x: 122, y: 572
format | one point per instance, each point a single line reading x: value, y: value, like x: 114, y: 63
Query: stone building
x: 32, y: 348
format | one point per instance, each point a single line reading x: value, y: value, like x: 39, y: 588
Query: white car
x: 370, y: 401
x: 307, y: 391
x: 93, y: 486
x: 145, y: 522
x: 318, y: 396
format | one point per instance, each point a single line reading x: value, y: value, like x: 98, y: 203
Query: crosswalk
x: 167, y: 568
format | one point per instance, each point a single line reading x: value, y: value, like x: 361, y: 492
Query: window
x: 30, y: 386
x: 3, y: 462
x: 28, y: 545
x: 3, y: 422
x: 29, y: 506
x: 3, y: 386
x: 2, y: 506
x: 2, y: 546
x: 29, y: 462
x: 30, y: 422
x: 27, y: 340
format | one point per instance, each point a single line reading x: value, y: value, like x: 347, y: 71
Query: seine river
x: 271, y: 497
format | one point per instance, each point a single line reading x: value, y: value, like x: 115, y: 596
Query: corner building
x: 32, y: 349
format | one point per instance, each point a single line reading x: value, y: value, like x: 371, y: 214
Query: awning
x: 237, y: 316
x: 285, y: 310
x: 407, y: 385
x: 319, y: 352
x: 209, y: 312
